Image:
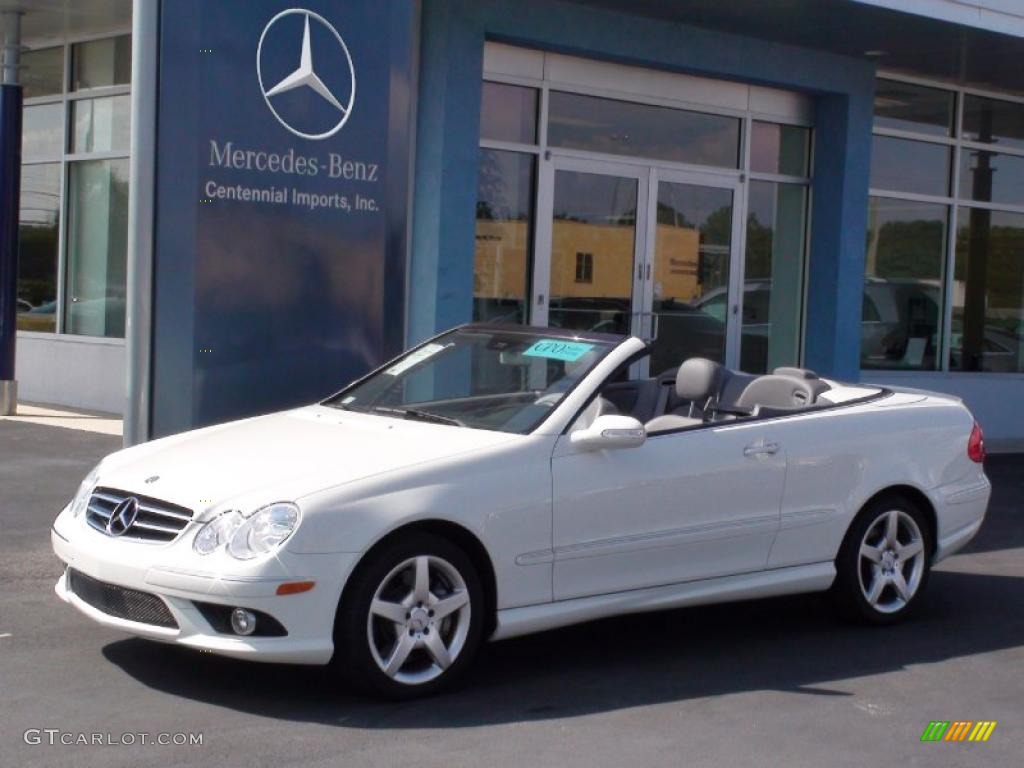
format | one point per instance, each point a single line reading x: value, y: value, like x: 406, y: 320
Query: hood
x: 283, y: 456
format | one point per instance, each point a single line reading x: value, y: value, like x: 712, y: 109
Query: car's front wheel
x: 411, y: 619
x: 883, y: 564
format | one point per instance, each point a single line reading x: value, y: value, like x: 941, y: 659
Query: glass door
x: 590, y: 246
x: 692, y: 273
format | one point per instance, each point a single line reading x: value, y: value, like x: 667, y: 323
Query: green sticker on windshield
x: 556, y: 349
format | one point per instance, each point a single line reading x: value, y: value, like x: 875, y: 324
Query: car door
x: 683, y: 506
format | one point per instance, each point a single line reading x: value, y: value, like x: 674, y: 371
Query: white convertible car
x: 501, y: 480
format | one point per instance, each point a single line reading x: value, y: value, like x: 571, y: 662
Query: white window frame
x: 953, y: 202
x: 66, y: 157
x: 531, y: 71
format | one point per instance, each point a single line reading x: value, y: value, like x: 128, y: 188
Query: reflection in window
x: 988, y: 292
x: 101, y: 125
x: 504, y: 218
x: 642, y: 130
x: 97, y: 240
x: 916, y: 108
x: 99, y: 63
x: 584, y: 267
x: 691, y: 273
x: 508, y: 113
x: 991, y: 178
x: 780, y: 149
x: 594, y: 214
x: 903, y: 284
x: 42, y: 131
x: 901, y: 165
x: 994, y: 122
x: 42, y: 72
x: 773, y: 275
x: 38, y: 235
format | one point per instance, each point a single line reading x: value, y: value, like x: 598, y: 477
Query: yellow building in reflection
x: 587, y: 260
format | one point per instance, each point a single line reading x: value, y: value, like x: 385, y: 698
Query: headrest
x: 777, y: 392
x: 799, y: 373
x: 698, y: 379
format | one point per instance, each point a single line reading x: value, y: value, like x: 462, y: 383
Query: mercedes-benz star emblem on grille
x: 123, y: 517
x: 305, y: 75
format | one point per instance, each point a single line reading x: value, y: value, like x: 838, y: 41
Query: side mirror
x: 610, y: 432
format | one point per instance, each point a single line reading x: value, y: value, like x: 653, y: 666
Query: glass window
x: 915, y: 108
x: 100, y: 125
x: 991, y: 178
x: 42, y: 72
x: 97, y: 245
x: 906, y: 249
x: 596, y: 214
x: 642, y: 130
x: 504, y: 380
x: 38, y: 236
x: 99, y: 63
x: 988, y: 292
x: 773, y: 275
x: 910, y: 166
x: 994, y: 122
x: 504, y: 219
x: 782, y: 149
x: 42, y: 133
x: 692, y: 243
x: 508, y: 113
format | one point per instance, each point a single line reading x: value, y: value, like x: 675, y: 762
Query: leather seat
x: 698, y: 381
x: 774, y: 391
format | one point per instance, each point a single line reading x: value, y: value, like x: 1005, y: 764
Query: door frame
x: 540, y: 283
x: 734, y: 300
x: 647, y: 175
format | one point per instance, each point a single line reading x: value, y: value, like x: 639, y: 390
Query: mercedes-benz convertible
x: 500, y: 480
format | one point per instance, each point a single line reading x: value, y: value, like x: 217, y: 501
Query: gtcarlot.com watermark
x: 57, y: 737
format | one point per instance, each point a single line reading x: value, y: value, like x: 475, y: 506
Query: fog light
x: 243, y: 622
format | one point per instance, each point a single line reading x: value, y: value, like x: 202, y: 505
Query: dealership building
x: 234, y: 206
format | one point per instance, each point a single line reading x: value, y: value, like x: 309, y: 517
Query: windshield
x: 507, y: 380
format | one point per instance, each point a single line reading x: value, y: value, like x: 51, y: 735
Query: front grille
x: 121, y: 602
x: 157, y: 521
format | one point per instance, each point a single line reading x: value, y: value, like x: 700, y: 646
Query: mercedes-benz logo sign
x: 305, y: 75
x: 123, y: 517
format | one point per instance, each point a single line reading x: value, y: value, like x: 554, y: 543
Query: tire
x: 877, y: 582
x: 414, y: 643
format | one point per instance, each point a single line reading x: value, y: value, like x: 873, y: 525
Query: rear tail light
x: 976, y: 445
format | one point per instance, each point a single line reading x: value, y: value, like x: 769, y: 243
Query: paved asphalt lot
x: 778, y: 682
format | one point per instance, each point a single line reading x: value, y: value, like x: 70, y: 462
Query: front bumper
x: 308, y: 617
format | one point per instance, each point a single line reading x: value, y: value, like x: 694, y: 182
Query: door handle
x: 759, y: 449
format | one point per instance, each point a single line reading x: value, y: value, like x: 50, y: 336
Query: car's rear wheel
x: 411, y: 619
x: 883, y: 564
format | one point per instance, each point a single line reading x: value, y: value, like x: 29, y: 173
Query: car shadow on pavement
x: 791, y: 644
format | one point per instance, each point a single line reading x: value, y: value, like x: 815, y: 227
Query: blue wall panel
x: 453, y: 36
x: 279, y: 266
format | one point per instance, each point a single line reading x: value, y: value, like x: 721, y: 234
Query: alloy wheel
x: 419, y: 619
x: 891, y: 563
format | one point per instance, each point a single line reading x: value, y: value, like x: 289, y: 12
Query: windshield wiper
x: 418, y: 415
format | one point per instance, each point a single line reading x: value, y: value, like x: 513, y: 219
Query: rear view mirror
x: 610, y: 432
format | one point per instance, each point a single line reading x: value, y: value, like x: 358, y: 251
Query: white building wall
x: 71, y: 371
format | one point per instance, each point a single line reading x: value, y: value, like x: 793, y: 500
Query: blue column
x: 10, y: 190
x: 835, y: 279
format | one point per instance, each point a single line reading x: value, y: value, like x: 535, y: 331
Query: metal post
x: 10, y: 193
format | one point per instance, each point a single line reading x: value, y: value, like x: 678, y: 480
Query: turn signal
x: 295, y: 587
x: 976, y: 445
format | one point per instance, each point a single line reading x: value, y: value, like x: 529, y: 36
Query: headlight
x: 249, y: 536
x: 81, y: 500
x: 217, y: 532
x: 264, y: 531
